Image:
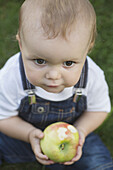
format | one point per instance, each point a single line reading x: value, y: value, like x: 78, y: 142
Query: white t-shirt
x: 11, y: 89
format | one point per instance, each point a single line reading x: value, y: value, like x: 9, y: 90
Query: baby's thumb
x: 35, y: 133
x: 39, y: 134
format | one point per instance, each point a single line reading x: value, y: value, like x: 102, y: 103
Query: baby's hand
x: 79, y: 149
x: 34, y: 138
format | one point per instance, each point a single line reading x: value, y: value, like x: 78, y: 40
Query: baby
x: 51, y: 80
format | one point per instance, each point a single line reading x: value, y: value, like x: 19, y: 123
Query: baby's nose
x: 53, y: 74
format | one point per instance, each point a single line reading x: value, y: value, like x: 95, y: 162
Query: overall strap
x: 78, y: 88
x: 26, y: 84
x: 83, y: 79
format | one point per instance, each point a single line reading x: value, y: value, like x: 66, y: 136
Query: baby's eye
x: 68, y: 63
x: 40, y: 61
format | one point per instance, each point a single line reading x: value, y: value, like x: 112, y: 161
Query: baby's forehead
x: 36, y: 17
x: 30, y: 15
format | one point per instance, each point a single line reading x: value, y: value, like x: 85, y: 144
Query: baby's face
x: 54, y: 64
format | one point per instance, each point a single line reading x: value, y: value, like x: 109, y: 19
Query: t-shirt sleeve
x: 8, y: 95
x: 97, y: 91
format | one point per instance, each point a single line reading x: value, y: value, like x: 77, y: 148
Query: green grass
x: 103, y: 51
x: 102, y: 54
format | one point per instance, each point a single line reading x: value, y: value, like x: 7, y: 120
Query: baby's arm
x: 17, y: 128
x: 89, y: 121
x: 86, y: 124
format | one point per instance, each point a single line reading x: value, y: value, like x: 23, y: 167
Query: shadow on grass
x: 23, y: 166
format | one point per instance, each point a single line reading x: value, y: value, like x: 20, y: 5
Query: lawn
x: 102, y: 54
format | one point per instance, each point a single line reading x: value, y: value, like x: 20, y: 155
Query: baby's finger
x: 68, y: 163
x: 41, y: 156
x: 38, y: 153
x: 44, y: 162
x: 78, y: 155
x: 76, y: 158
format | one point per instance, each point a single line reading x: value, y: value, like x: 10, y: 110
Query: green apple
x: 60, y: 142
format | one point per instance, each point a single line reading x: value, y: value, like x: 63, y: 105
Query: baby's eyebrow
x: 72, y: 58
x: 35, y: 56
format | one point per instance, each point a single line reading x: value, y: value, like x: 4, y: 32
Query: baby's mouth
x: 52, y: 86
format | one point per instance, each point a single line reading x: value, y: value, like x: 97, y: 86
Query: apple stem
x: 62, y: 146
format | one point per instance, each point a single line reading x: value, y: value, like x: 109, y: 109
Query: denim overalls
x: 41, y: 113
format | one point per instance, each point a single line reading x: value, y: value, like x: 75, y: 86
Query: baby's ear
x: 18, y: 39
x: 91, y: 47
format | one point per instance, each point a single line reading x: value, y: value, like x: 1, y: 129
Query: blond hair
x: 58, y: 16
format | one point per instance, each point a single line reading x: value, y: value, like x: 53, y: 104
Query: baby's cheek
x: 71, y: 81
x: 33, y: 79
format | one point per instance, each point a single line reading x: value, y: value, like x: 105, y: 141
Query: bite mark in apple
x: 72, y: 129
x: 62, y: 133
